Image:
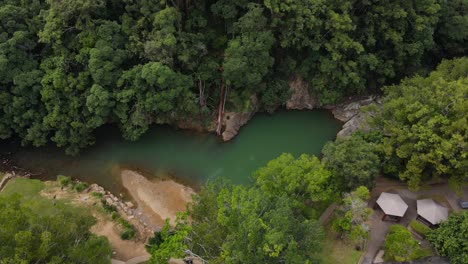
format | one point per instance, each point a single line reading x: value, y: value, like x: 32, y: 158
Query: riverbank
x: 48, y: 197
x: 158, y: 199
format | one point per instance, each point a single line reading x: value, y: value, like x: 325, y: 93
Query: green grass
x: 419, y: 228
x: 339, y: 251
x: 30, y: 189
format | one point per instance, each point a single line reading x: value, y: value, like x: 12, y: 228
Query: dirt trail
x: 125, y: 249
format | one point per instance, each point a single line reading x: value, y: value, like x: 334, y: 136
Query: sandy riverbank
x: 159, y: 199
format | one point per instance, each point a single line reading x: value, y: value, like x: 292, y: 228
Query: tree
x: 247, y: 57
x: 63, y: 237
x: 173, y: 242
x: 449, y: 239
x: 400, y: 244
x: 304, y: 180
x: 353, y: 161
x: 450, y: 33
x: 424, y: 123
x: 238, y: 224
x: 352, y: 216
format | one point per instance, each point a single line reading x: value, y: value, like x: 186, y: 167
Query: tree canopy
x: 449, y: 239
x: 424, y: 123
x: 353, y: 161
x: 63, y: 237
x: 255, y: 224
x: 69, y: 67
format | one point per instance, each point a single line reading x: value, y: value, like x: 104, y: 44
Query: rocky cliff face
x: 350, y: 113
x: 233, y: 121
x: 300, y: 96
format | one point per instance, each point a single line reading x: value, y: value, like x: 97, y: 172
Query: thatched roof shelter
x: 431, y: 211
x: 392, y: 204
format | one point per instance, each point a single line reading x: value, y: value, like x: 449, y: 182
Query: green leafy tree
x: 451, y: 34
x: 152, y: 92
x: 238, y: 224
x: 352, y: 216
x: 353, y: 161
x: 400, y: 244
x: 304, y: 180
x: 247, y: 57
x: 172, y: 242
x: 449, y: 239
x: 60, y: 238
x: 424, y: 123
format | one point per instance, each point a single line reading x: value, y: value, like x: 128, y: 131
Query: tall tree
x: 449, y: 239
x: 424, y: 124
x: 353, y: 162
x: 60, y: 238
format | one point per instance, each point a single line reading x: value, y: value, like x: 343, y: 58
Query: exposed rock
x: 109, y: 201
x: 129, y: 204
x: 349, y: 109
x: 234, y: 121
x: 350, y: 113
x: 300, y: 97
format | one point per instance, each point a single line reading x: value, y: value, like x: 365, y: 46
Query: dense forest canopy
x: 70, y: 66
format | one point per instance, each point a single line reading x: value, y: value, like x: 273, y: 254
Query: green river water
x: 189, y: 157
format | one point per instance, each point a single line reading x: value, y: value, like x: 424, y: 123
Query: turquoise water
x: 190, y: 157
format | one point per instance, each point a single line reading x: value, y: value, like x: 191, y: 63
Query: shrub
x: 400, y: 245
x: 420, y: 228
x: 96, y: 194
x: 127, y: 233
x: 64, y: 180
x: 108, y: 208
x: 80, y: 186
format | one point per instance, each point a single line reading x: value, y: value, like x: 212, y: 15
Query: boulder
x: 233, y: 121
x: 350, y: 113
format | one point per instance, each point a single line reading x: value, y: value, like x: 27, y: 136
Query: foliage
x: 62, y: 237
x: 64, y: 180
x: 450, y: 238
x: 304, y: 180
x: 256, y: 224
x: 128, y: 231
x: 400, y: 245
x: 68, y: 67
x: 420, y: 228
x: 424, y: 122
x: 353, y: 161
x: 80, y: 186
x: 172, y: 244
x: 108, y: 207
x: 352, y: 216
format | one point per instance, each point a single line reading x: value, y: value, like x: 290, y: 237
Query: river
x: 191, y: 158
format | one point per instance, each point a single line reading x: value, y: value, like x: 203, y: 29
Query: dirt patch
x: 124, y: 249
x: 159, y: 199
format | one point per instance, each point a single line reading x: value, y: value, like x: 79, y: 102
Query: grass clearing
x: 30, y: 191
x: 336, y: 250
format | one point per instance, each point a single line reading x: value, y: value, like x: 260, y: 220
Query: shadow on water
x: 189, y: 157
